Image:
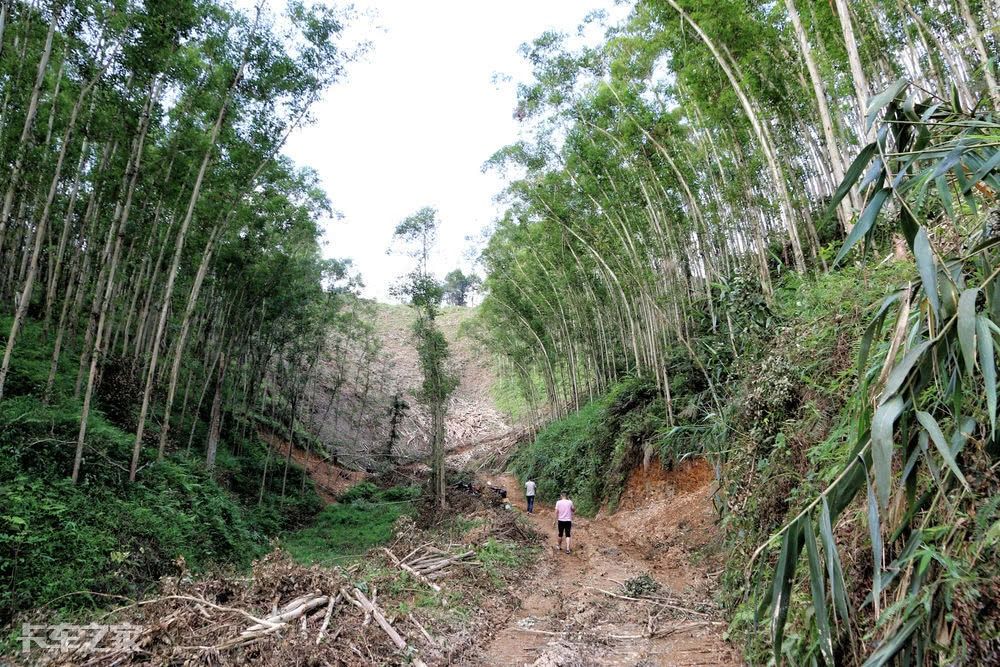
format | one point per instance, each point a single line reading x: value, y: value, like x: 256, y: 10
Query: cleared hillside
x: 350, y: 407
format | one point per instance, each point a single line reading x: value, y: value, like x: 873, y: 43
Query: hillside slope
x: 350, y: 408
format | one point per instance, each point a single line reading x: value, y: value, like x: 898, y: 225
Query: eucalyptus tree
x: 418, y: 234
x: 157, y: 211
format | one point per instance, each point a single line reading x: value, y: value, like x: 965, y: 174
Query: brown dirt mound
x: 669, y: 513
x: 653, y: 481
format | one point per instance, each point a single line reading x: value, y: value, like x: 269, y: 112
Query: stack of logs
x: 427, y: 563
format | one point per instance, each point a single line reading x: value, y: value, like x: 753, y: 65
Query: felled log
x: 409, y: 569
x: 326, y: 618
x: 433, y: 567
x: 290, y: 612
x: 386, y: 626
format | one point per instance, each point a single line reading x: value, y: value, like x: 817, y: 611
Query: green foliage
x: 590, y: 452
x: 499, y: 558
x: 105, y: 535
x: 457, y: 286
x: 925, y: 414
x: 643, y: 584
x: 362, y: 518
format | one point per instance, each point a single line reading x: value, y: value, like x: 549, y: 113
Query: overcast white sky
x: 413, y: 123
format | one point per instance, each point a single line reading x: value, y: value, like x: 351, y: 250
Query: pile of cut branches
x: 283, y: 614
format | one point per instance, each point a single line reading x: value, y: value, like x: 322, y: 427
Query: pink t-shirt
x: 564, y: 510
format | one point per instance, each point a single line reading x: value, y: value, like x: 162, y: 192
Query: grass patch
x: 363, y: 518
x: 499, y: 557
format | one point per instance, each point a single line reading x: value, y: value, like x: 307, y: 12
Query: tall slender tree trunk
x: 787, y: 210
x: 182, y: 338
x: 29, y: 281
x: 3, y: 22
x: 54, y: 278
x: 175, y: 264
x: 847, y: 208
x: 29, y: 121
x: 437, y: 450
x: 854, y: 59
x: 984, y: 57
x: 291, y: 440
x: 117, y: 228
x: 215, y: 423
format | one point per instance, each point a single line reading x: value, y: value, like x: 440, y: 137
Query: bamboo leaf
x: 922, y: 439
x: 927, y: 268
x: 945, y: 194
x: 987, y: 167
x: 908, y: 225
x: 875, y: 172
x: 833, y: 568
x: 899, y: 563
x: 892, y: 644
x: 875, y: 532
x: 961, y: 435
x: 967, y: 327
x: 949, y: 161
x: 784, y: 575
x: 987, y: 365
x: 818, y: 592
x: 882, y: 99
x: 850, y: 178
x: 865, y: 222
x: 934, y: 431
x: 985, y: 245
x: 902, y: 370
x: 882, y: 446
x: 873, y: 330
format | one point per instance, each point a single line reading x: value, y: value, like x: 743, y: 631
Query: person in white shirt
x: 529, y: 493
x: 564, y: 519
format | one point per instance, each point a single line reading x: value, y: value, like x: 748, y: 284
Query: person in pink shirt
x: 564, y: 518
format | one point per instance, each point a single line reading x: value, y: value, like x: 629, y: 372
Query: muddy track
x: 569, y: 615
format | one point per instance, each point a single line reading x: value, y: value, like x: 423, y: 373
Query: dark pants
x: 531, y: 503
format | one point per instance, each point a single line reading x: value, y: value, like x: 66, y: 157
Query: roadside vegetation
x: 781, y: 220
x: 73, y: 545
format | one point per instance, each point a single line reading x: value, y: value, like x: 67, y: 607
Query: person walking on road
x: 564, y: 518
x: 529, y: 493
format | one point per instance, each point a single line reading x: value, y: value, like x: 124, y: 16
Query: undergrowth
x: 362, y: 518
x: 71, y: 546
x: 590, y: 452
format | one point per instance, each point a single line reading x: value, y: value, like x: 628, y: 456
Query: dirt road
x: 569, y: 613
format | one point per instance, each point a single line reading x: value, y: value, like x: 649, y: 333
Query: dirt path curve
x: 566, y: 619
